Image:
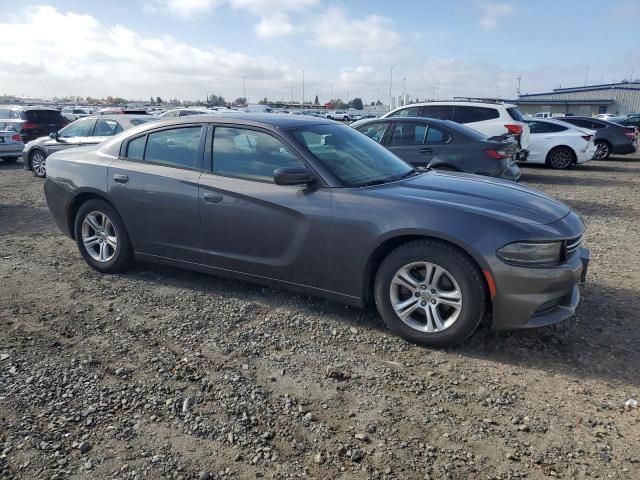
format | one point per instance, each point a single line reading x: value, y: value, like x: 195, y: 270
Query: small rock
x: 363, y: 437
x: 204, y: 475
x: 318, y: 458
x: 4, y: 356
x: 631, y: 403
x: 310, y: 417
x: 84, y: 447
x: 185, y: 405
x: 357, y: 456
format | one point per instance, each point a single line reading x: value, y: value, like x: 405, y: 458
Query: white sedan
x: 559, y: 144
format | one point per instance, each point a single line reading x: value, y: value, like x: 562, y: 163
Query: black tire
x: 561, y: 158
x: 603, y: 150
x: 459, y: 265
x: 38, y: 158
x: 122, y: 253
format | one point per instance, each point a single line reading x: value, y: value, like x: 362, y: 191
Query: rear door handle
x: 426, y: 150
x: 212, y: 197
x: 120, y: 178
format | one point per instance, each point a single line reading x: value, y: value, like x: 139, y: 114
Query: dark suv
x: 610, y: 137
x: 31, y: 122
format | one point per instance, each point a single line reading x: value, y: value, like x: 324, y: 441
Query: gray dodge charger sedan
x: 317, y: 207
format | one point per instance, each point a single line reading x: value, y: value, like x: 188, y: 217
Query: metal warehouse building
x: 616, y: 98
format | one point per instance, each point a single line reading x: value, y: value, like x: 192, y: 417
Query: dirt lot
x: 163, y: 373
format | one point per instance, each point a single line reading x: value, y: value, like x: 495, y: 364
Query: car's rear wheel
x: 560, y: 158
x: 430, y: 293
x: 38, y: 161
x: 603, y: 150
x: 102, y: 238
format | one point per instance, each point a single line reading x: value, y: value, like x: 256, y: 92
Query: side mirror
x: 293, y: 176
x: 54, y: 135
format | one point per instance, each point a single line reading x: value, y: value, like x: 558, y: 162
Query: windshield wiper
x: 380, y: 181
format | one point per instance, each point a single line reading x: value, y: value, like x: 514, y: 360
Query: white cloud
x: 492, y: 13
x: 101, y: 60
x: 274, y: 20
x: 373, y: 33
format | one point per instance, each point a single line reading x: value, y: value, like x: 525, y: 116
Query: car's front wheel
x: 430, y: 293
x: 38, y: 161
x: 102, y: 238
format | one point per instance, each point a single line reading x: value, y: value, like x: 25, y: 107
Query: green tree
x: 264, y: 101
x: 216, y: 101
x: 158, y: 100
x: 356, y: 103
x: 240, y: 101
x: 316, y: 101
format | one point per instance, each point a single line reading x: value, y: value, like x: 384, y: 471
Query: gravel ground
x: 164, y: 373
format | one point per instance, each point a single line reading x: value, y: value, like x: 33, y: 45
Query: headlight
x: 529, y: 253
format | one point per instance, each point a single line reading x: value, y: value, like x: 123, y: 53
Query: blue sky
x: 189, y: 48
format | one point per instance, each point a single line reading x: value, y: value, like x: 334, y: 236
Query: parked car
x: 11, y: 146
x: 443, y: 145
x: 558, y: 144
x: 629, y: 120
x: 547, y: 115
x: 258, y: 109
x: 81, y: 133
x: 121, y: 111
x: 341, y: 115
x: 605, y: 116
x: 609, y: 137
x: 337, y: 215
x: 72, y: 114
x: 492, y: 119
x: 184, y: 112
x: 31, y: 122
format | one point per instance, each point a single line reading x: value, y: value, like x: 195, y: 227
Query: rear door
x: 407, y: 139
x: 253, y: 226
x: 154, y: 185
x: 544, y: 136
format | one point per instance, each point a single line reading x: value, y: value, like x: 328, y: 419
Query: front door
x: 407, y: 140
x: 253, y: 226
x: 71, y: 136
x: 154, y: 186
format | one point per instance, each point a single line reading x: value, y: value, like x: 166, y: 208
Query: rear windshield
x: 515, y: 114
x: 140, y: 121
x: 136, y: 112
x: 44, y: 116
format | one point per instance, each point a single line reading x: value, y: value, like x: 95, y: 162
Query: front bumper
x: 536, y: 297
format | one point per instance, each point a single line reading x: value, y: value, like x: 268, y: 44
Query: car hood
x: 38, y: 141
x: 482, y: 195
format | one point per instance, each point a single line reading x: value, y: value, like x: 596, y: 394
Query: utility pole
x: 303, y: 86
x: 347, y: 97
x: 404, y: 87
x: 390, y: 86
x: 244, y: 88
x: 586, y: 76
x: 291, y: 91
x: 438, y: 90
x: 518, y: 91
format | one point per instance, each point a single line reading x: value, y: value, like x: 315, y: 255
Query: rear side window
x: 515, y: 114
x: 408, y: 133
x: 135, y: 149
x: 441, y: 112
x: 406, y: 112
x: 468, y: 114
x: 4, y: 113
x: 250, y: 154
x: 176, y: 147
x: 140, y: 121
x: 45, y: 116
x: 437, y: 136
x: 579, y: 122
x: 106, y: 128
x: 374, y: 131
x: 543, y: 127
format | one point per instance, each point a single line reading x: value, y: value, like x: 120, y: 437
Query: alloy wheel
x: 602, y: 151
x: 426, y: 297
x: 99, y: 236
x: 561, y: 158
x: 38, y: 163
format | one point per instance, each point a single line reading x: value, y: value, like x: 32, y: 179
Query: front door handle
x: 212, y: 197
x: 426, y: 150
x: 120, y: 178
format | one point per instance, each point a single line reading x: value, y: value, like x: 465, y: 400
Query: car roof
x: 458, y: 102
x: 280, y: 121
x: 435, y: 121
x: 25, y: 108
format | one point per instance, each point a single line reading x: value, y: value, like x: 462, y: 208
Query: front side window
x: 408, y: 133
x: 79, y: 128
x: 176, y: 147
x: 351, y: 157
x: 374, y: 131
x: 250, y: 154
x: 406, y: 112
x: 106, y: 128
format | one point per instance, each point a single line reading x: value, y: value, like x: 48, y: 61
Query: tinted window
x: 135, y: 149
x: 140, y: 121
x: 106, y: 128
x: 467, y: 114
x: 374, y: 131
x: 543, y: 127
x: 437, y: 136
x: 185, y: 113
x: 4, y: 113
x: 177, y: 147
x: 597, y: 125
x: 353, y: 158
x: 408, y: 133
x: 250, y: 154
x: 442, y: 112
x: 580, y: 122
x: 80, y: 128
x: 515, y: 114
x: 45, y: 116
x: 406, y: 112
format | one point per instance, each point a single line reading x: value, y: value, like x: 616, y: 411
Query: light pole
x: 330, y: 91
x: 404, y: 86
x: 303, y: 86
x: 390, y: 86
x: 244, y: 88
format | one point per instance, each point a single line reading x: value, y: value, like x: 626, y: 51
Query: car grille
x: 571, y: 245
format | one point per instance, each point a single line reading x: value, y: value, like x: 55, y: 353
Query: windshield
x: 352, y: 157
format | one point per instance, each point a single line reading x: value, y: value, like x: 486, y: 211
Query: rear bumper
x: 586, y: 155
x: 537, y: 297
x: 58, y: 200
x: 625, y: 149
x: 11, y: 150
x: 511, y: 172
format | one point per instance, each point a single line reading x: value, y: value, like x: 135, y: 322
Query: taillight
x: 630, y: 133
x: 29, y: 126
x: 497, y: 154
x: 514, y: 129
x: 587, y: 137
x: 16, y: 138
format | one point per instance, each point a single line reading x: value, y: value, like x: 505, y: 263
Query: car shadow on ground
x: 11, y: 166
x: 24, y: 219
x: 602, y: 341
x: 588, y: 208
x: 567, y: 179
